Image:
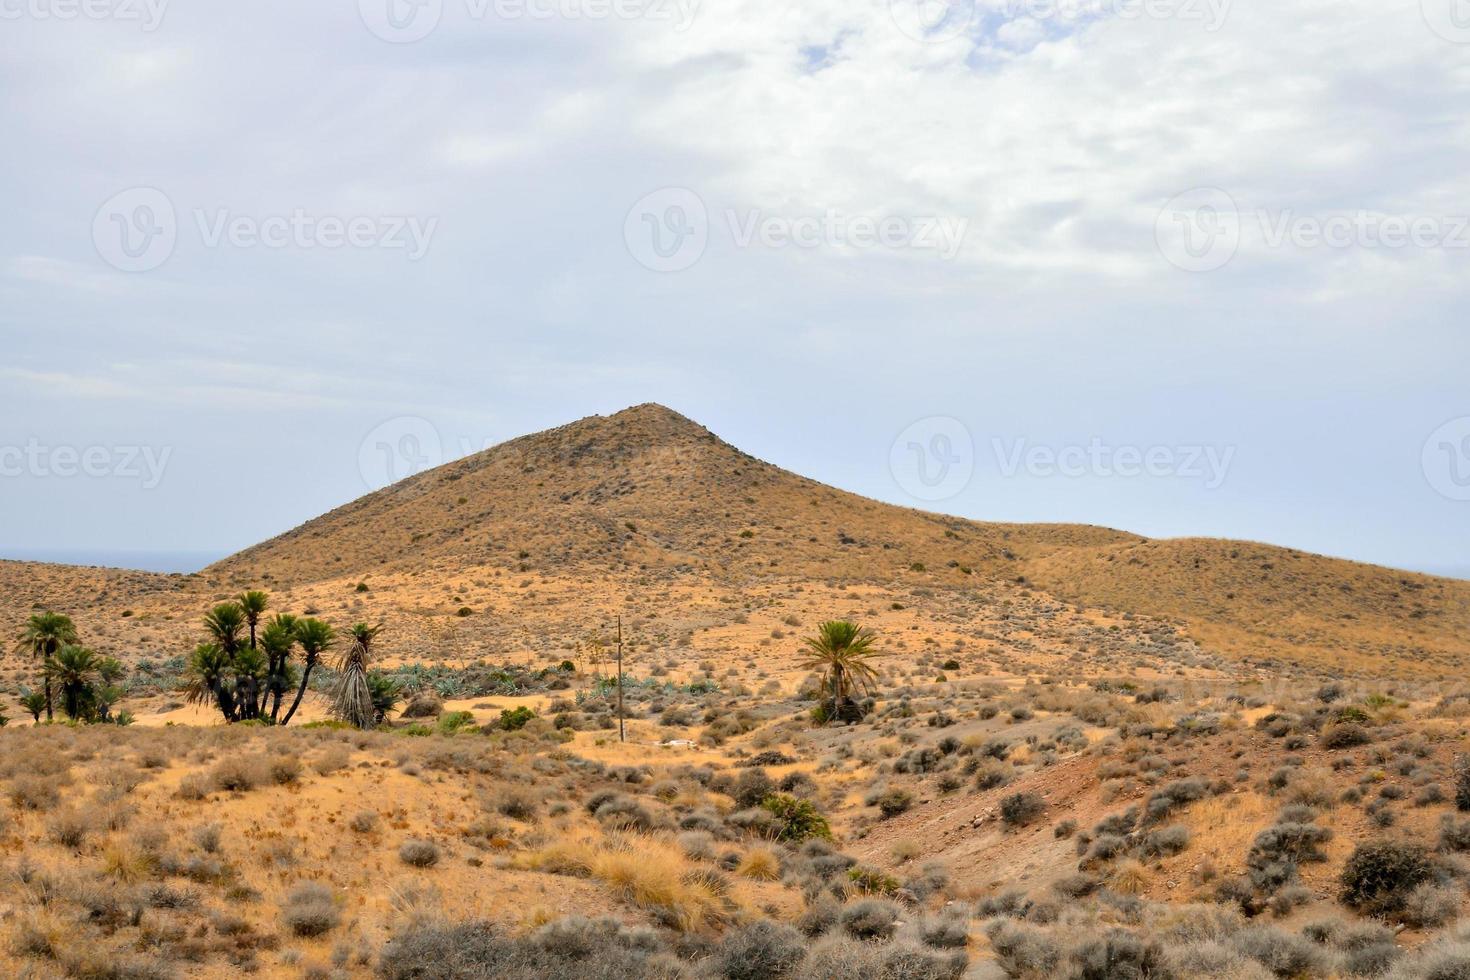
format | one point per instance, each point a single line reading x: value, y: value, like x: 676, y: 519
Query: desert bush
x: 762, y: 864
x: 1023, y: 951
x: 1283, y: 953
x: 800, y: 820
x: 1430, y: 906
x: 207, y: 837
x: 195, y: 786
x: 871, y: 918
x: 1021, y: 809
x: 1448, y: 960
x: 34, y: 793
x: 1172, y: 796
x: 1214, y: 959
x: 893, y: 802
x: 68, y: 828
x: 1280, y: 849
x: 1380, y: 875
x: 949, y: 930
x: 419, y: 853
x: 284, y: 769
x: 238, y: 773
x: 751, y: 787
x: 334, y: 758
x: 580, y: 948
x: 991, y: 774
x: 1164, y: 842
x: 1118, y: 955
x: 760, y: 950
x: 1344, y: 735
x: 625, y: 812
x: 363, y: 821
x: 309, y: 910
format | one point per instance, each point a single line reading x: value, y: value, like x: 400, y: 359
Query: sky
x: 1183, y: 267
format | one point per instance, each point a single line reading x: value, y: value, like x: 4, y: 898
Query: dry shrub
x: 309, y: 910
x: 334, y: 758
x: 68, y: 828
x: 284, y: 769
x: 195, y: 786
x: 34, y: 793
x: 762, y: 864
x: 419, y: 853
x: 240, y: 774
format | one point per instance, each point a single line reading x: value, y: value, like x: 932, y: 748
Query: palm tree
x: 387, y: 695
x: 253, y: 604
x: 250, y: 671
x: 277, y: 639
x: 45, y: 634
x: 208, y: 670
x: 842, y: 650
x: 34, y: 702
x: 315, y: 638
x: 74, y: 669
x: 352, y: 701
x: 224, y: 623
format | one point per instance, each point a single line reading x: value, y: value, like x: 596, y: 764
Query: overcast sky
x: 1184, y: 267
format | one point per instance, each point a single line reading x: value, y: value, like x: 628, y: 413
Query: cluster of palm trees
x: 246, y: 670
x: 85, y: 683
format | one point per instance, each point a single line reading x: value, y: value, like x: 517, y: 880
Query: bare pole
x: 622, y: 736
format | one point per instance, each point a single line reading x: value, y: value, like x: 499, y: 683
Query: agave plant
x: 352, y: 701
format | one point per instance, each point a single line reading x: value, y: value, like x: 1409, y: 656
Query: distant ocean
x: 143, y: 561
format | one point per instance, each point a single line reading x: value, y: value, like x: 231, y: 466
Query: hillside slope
x: 647, y: 513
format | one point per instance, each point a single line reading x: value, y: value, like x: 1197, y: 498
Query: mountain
x: 527, y: 545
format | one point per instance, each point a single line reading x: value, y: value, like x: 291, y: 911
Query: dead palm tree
x: 842, y: 651
x: 44, y: 636
x: 352, y: 701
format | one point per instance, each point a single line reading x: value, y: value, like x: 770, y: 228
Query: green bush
x: 1380, y: 875
x: 800, y: 819
x: 894, y: 802
x: 514, y: 719
x: 453, y: 721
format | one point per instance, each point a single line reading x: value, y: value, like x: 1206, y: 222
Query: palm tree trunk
x: 48, y: 698
x: 300, y: 691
